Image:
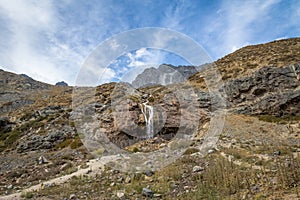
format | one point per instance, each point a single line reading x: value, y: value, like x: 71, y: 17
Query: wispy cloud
x: 144, y: 56
x: 24, y: 20
x: 48, y: 41
x: 236, y: 24
x: 175, y: 15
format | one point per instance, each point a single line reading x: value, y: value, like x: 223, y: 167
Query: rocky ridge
x: 164, y: 75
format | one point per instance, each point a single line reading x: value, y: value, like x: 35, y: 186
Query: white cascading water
x: 148, y: 115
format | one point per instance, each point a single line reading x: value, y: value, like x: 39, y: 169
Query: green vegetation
x: 27, y: 195
x: 8, y: 139
x: 225, y: 179
x: 64, y: 144
x: 135, y: 149
x: 76, y: 143
x: 73, y: 143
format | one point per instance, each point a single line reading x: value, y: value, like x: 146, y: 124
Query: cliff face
x: 261, y: 82
x: 268, y: 91
x: 163, y: 75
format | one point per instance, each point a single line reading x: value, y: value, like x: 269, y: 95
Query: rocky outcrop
x: 40, y: 142
x: 283, y: 104
x: 61, y: 83
x: 5, y: 125
x: 270, y: 90
x: 163, y: 75
x: 14, y: 105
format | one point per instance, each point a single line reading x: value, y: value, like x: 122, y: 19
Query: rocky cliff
x: 163, y: 75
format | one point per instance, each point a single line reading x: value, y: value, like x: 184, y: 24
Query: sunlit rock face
x: 163, y: 75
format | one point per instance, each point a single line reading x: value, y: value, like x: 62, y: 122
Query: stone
x: 42, y: 160
x: 38, y: 142
x: 147, y: 192
x: 128, y: 179
x: 210, y: 151
x: 255, y: 188
x: 5, y: 125
x: 120, y: 179
x: 276, y: 153
x: 186, y: 187
x: 3, y: 121
x: 149, y: 173
x: 148, y: 178
x: 121, y: 195
x: 158, y: 195
x: 10, y: 187
x: 72, y: 197
x: 112, y: 184
x: 197, y: 169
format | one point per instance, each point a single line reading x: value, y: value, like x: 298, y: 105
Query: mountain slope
x: 249, y: 59
x: 257, y: 155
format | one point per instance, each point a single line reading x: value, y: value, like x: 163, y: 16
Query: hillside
x: 256, y: 154
x: 251, y: 58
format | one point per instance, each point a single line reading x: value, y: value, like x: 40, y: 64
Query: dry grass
x: 220, y: 180
x: 248, y: 59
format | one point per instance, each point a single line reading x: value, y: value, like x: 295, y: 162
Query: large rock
x: 38, y: 142
x: 147, y: 192
x: 14, y: 105
x: 277, y: 104
x: 5, y: 125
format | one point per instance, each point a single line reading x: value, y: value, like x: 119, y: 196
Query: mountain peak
x: 165, y: 74
x: 61, y: 83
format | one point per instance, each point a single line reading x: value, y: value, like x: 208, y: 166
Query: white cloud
x: 240, y: 17
x: 32, y: 45
x: 106, y: 76
x: 26, y: 20
x: 143, y: 56
x: 236, y: 24
x: 28, y: 13
x: 175, y: 14
x: 129, y: 65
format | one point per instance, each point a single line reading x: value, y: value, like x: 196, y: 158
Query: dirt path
x: 94, y: 167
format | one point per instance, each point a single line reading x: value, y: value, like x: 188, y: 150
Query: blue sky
x: 50, y: 40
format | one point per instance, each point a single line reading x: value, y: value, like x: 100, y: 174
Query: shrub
x: 27, y: 195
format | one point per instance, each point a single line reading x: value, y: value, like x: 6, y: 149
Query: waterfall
x: 148, y: 115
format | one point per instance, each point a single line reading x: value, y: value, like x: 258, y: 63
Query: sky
x: 51, y: 40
